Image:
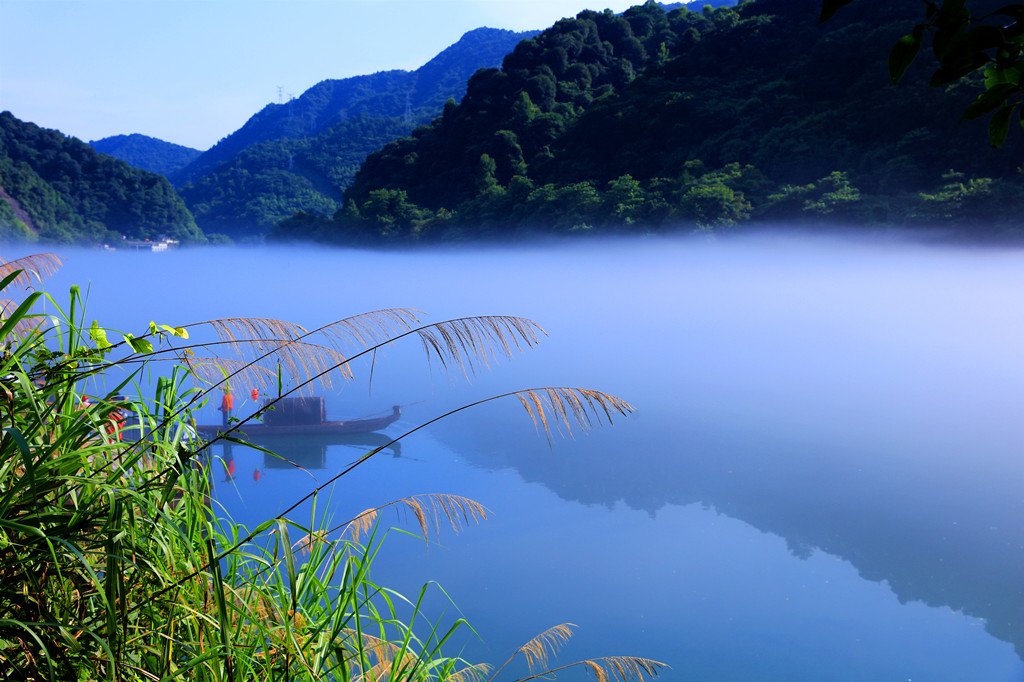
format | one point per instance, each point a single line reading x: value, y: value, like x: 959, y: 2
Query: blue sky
x: 193, y: 71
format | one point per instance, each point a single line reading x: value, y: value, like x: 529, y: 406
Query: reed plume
x: 467, y: 342
x: 262, y: 360
x: 38, y: 265
x: 383, y: 657
x: 368, y: 329
x: 265, y: 349
x: 233, y: 329
x: 429, y: 509
x: 211, y: 370
x: 610, y: 668
x: 19, y: 273
x: 545, y: 646
x: 473, y: 673
x: 563, y: 407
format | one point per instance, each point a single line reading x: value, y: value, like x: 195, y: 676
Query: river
x: 823, y: 478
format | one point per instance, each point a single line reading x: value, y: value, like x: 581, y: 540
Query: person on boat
x: 229, y: 463
x: 225, y: 407
x: 114, y: 427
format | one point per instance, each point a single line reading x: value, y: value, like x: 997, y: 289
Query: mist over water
x: 823, y: 479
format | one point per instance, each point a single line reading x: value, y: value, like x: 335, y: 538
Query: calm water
x: 824, y: 478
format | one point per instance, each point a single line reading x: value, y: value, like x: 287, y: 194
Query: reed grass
x: 114, y: 563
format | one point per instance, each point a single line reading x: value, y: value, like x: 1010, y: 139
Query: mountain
x: 652, y: 120
x: 59, y: 189
x: 300, y: 155
x: 147, y: 153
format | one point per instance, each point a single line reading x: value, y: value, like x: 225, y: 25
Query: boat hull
x: 329, y: 428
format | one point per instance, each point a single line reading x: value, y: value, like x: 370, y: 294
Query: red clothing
x: 227, y: 403
x: 115, y: 424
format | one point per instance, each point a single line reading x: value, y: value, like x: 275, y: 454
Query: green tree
x: 486, y: 182
x: 625, y: 200
x: 714, y: 205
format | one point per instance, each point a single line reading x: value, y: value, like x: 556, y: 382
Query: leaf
x: 26, y: 455
x: 989, y: 101
x: 947, y: 73
x: 155, y: 328
x: 9, y: 278
x: 830, y: 7
x: 984, y: 37
x: 99, y: 336
x: 1015, y: 12
x: 12, y: 320
x: 139, y: 345
x: 903, y: 53
x: 999, y: 125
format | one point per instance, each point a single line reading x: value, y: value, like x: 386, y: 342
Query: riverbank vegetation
x: 115, y: 562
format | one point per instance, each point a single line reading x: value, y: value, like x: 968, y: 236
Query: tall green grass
x: 113, y: 563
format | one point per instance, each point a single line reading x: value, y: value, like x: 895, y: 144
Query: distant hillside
x: 651, y: 119
x: 300, y: 155
x: 147, y: 153
x: 59, y: 189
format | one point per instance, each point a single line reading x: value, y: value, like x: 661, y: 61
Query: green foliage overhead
x: 966, y: 38
x: 61, y: 190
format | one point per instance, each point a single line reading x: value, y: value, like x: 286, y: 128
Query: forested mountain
x: 300, y: 155
x: 59, y: 189
x: 652, y: 119
x: 268, y: 181
x: 147, y: 153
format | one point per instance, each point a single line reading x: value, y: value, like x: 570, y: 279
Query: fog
x: 822, y: 479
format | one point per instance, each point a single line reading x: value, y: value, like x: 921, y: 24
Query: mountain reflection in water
x: 823, y: 480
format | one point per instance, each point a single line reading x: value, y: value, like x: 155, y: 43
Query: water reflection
x: 938, y: 527
x: 310, y: 451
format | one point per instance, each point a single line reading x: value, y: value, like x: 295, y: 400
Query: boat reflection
x: 310, y: 451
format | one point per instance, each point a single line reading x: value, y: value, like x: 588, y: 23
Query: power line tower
x: 280, y: 94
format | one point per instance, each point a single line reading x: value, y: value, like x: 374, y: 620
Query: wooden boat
x: 304, y: 416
